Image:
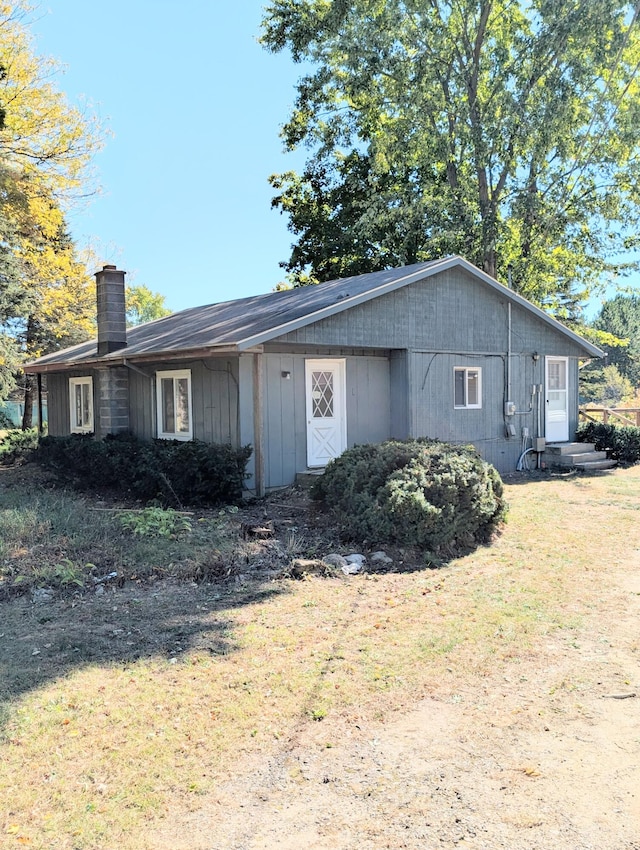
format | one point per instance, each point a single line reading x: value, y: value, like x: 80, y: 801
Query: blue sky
x: 193, y: 106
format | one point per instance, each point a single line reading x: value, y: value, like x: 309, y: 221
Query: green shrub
x: 18, y: 445
x: 167, y: 471
x: 423, y: 493
x: 620, y: 442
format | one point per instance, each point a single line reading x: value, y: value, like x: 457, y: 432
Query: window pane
x: 86, y: 415
x: 460, y: 397
x: 322, y: 395
x: 77, y: 390
x: 168, y: 411
x: 182, y: 405
x: 473, y: 397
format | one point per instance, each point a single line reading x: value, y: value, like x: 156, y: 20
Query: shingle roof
x: 246, y: 322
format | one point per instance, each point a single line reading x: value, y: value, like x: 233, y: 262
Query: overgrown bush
x: 18, y: 445
x: 170, y: 472
x: 620, y: 442
x: 434, y: 495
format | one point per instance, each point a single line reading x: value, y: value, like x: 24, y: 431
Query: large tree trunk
x: 29, y: 391
x: 29, y: 380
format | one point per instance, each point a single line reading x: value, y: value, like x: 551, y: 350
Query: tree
x: 46, y: 145
x: 605, y: 385
x: 621, y: 317
x: 143, y: 305
x: 502, y: 130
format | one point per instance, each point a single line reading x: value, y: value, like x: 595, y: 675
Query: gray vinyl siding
x: 285, y: 421
x: 214, y: 394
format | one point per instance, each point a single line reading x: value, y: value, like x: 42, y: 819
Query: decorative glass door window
x: 81, y: 405
x: 174, y: 405
x: 322, y: 395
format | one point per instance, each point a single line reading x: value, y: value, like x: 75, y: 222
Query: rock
x: 335, y: 560
x: 381, y: 558
x: 99, y: 590
x: 356, y: 559
x: 351, y: 568
x: 42, y: 595
x: 300, y: 567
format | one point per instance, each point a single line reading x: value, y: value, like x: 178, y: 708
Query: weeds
x: 156, y: 522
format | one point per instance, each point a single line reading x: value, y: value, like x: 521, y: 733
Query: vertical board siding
x: 436, y: 416
x: 58, y: 404
x: 451, y: 311
x: 59, y: 424
x: 285, y: 416
x: 399, y: 397
x: 214, y: 392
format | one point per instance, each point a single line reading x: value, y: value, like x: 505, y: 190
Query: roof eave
x: 123, y: 356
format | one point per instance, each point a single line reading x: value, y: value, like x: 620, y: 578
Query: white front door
x: 326, y: 410
x: 557, y: 415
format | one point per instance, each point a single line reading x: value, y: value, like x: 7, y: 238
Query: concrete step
x: 595, y: 465
x: 579, y: 458
x: 568, y: 448
x: 306, y: 477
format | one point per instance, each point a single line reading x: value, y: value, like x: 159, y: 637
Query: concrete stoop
x: 582, y: 456
x: 306, y: 477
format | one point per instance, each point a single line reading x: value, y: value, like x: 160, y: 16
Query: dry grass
x: 121, y: 707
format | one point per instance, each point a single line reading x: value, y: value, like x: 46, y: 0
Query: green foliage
x: 440, y: 497
x: 506, y: 132
x: 143, y: 305
x: 156, y: 522
x: 168, y: 471
x: 621, y: 317
x: 622, y: 443
x: 6, y: 423
x: 604, y: 385
x: 18, y: 445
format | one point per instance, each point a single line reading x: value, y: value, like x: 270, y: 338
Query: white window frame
x: 466, y: 370
x: 174, y: 374
x: 74, y: 426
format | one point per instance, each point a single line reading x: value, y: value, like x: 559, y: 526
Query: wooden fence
x: 615, y: 415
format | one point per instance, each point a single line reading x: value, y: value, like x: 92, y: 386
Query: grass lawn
x: 120, y: 708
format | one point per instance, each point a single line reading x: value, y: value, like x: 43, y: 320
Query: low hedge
x: 170, y: 472
x: 425, y: 493
x: 620, y: 442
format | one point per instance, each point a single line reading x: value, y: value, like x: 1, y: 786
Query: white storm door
x: 557, y: 413
x: 326, y: 410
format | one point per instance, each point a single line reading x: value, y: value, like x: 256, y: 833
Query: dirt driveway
x: 539, y: 752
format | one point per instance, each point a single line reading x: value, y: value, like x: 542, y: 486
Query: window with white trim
x: 173, y: 394
x: 81, y: 405
x: 467, y: 387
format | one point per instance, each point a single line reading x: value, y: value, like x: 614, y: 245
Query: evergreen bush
x: 170, y: 472
x: 440, y: 497
x: 620, y: 442
x: 18, y: 445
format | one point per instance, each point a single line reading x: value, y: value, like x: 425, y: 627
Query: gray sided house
x: 437, y: 349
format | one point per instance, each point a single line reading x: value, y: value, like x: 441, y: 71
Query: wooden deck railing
x: 619, y: 415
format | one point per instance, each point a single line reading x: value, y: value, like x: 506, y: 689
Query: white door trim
x: 557, y: 400
x: 326, y: 434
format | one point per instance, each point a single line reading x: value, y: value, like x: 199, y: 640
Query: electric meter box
x: 509, y: 408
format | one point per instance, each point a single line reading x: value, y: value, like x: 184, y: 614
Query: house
x: 436, y: 349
